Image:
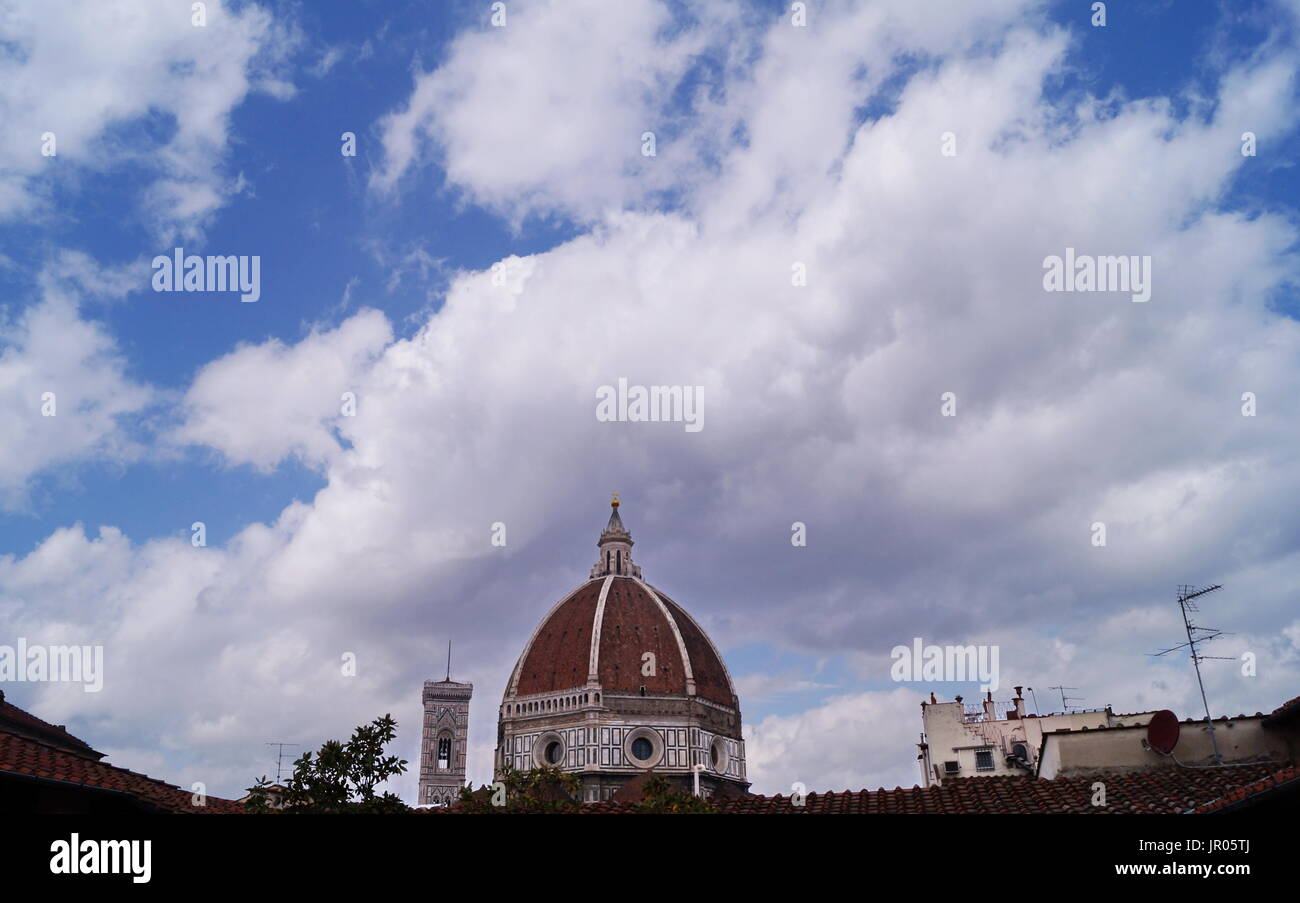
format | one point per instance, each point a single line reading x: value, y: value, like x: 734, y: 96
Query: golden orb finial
x: 613, y: 502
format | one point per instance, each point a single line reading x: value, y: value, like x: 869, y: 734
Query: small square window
x: 983, y: 760
x: 951, y: 767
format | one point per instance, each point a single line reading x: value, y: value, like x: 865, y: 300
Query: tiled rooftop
x: 1165, y: 791
x: 24, y: 723
x: 33, y: 748
x: 26, y: 756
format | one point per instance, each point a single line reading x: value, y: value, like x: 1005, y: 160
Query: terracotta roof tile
x: 1165, y: 791
x: 1285, y: 712
x: 24, y: 755
x: 711, y: 681
x: 632, y: 624
x: 1283, y: 776
x: 561, y: 650
x: 20, y: 721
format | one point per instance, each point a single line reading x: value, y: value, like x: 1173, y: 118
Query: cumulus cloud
x: 579, y: 88
x: 769, y: 685
x: 260, y: 404
x: 64, y: 389
x: 868, y: 739
x: 120, y: 82
x: 841, y: 744
x: 823, y: 401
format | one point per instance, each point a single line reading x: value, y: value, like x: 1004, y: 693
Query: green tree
x: 342, y: 776
x: 537, y: 790
x: 660, y: 797
x: 258, y: 800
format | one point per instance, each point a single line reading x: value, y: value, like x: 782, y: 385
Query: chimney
x: 1020, y: 703
x: 990, y: 712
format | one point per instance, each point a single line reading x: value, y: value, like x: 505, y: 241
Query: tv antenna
x: 1196, y: 635
x: 1064, y: 704
x: 279, y: 757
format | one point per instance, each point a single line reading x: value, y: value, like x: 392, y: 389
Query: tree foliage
x: 660, y: 797
x: 258, y: 801
x: 341, y: 777
x: 538, y: 790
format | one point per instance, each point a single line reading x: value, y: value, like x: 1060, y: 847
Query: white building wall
x: 954, y: 733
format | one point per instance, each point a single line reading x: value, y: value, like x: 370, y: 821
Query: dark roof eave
x: 142, y: 803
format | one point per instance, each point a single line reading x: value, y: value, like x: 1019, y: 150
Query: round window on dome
x: 643, y: 747
x: 718, y: 757
x: 549, y: 750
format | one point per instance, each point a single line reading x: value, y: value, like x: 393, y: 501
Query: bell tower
x: 444, y: 740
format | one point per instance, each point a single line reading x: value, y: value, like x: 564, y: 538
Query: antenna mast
x: 279, y: 757
x: 1065, y: 706
x: 1197, y: 634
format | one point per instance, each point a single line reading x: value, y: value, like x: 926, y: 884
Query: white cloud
x: 87, y: 69
x: 549, y: 111
x: 849, y: 742
x: 761, y: 686
x: 63, y: 388
x: 823, y: 403
x: 262, y: 403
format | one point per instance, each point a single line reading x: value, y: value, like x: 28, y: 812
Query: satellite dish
x: 1162, y: 732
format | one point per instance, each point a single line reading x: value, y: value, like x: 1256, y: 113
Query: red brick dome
x: 604, y: 629
x: 603, y: 634
x: 619, y: 680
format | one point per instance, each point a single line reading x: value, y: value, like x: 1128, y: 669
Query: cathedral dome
x: 606, y: 629
x: 620, y: 633
x: 618, y: 679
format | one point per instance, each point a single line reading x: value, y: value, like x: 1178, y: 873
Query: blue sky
x: 310, y: 217
x: 655, y: 267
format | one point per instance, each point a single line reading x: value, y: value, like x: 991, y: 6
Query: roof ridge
x: 37, y: 726
x: 1243, y: 792
x: 100, y: 762
x: 35, y: 758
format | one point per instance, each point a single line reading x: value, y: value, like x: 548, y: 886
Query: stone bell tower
x: 444, y: 740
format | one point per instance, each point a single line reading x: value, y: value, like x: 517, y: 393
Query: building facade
x: 1125, y: 748
x: 968, y: 741
x: 618, y: 680
x: 444, y: 740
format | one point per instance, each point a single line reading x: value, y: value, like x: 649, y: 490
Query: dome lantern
x: 615, y: 544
